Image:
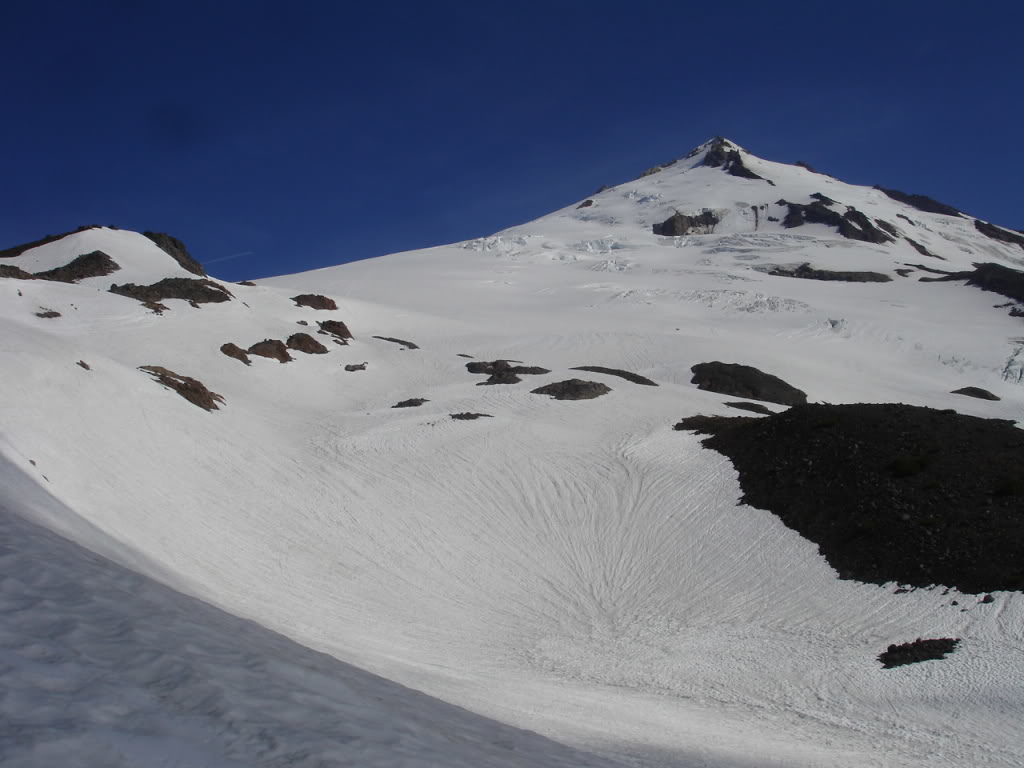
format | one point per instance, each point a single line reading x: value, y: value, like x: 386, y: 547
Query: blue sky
x: 277, y: 137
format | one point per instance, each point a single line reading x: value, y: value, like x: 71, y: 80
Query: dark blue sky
x: 276, y: 137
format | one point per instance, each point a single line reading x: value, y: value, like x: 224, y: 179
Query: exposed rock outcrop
x: 806, y: 272
x: 627, y: 375
x: 413, y: 402
x: 235, y: 351
x: 998, y: 233
x: 190, y: 289
x: 917, y: 651
x: 681, y: 224
x: 920, y: 202
x: 720, y: 155
x: 987, y: 276
x: 978, y: 392
x: 889, y: 493
x: 335, y: 328
x: 503, y: 372
x: 573, y: 389
x: 176, y: 249
x: 752, y: 407
x: 303, y: 342
x: 852, y: 224
x: 191, y: 389
x: 314, y: 301
x: 17, y: 250
x: 275, y: 349
x: 95, y: 264
x: 921, y: 249
x: 393, y: 340
x: 745, y: 381
x: 47, y: 314
x: 467, y: 416
x: 15, y: 273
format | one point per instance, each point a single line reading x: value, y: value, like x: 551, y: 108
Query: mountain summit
x: 456, y: 469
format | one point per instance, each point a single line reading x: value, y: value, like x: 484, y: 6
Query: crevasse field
x: 310, y: 577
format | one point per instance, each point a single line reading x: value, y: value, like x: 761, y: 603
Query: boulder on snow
x: 47, y: 314
x: 176, y: 249
x: 191, y: 389
x: 745, y: 381
x: 573, y: 389
x: 192, y: 290
x: 978, y: 392
x: 233, y: 350
x: 272, y: 348
x: 314, y: 301
x: 356, y: 367
x: 303, y: 342
x: 467, y: 416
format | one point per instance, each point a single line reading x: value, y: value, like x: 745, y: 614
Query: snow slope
x: 574, y: 568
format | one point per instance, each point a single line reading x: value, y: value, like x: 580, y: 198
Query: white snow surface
x: 575, y: 569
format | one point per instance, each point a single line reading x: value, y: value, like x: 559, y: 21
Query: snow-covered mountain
x: 574, y: 568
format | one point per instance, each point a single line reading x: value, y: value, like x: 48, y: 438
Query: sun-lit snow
x: 573, y: 568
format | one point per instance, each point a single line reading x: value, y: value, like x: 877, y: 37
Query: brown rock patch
x: 335, y: 328
x: 233, y: 350
x: 314, y: 301
x: 95, y: 264
x: 189, y: 289
x: 303, y: 342
x: 272, y: 348
x: 191, y: 389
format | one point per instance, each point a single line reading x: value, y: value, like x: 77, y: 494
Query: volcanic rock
x: 191, y: 389
x: 889, y: 493
x: 573, y: 389
x: 176, y: 249
x: 235, y: 351
x: 978, y: 392
x: 314, y: 301
x: 272, y: 348
x: 303, y: 342
x: 393, y: 340
x: 919, y: 650
x: 335, y: 328
x: 95, y: 264
x: 745, y: 381
x: 189, y: 289
x: 627, y: 375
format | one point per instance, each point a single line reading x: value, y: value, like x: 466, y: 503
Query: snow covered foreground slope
x: 574, y: 568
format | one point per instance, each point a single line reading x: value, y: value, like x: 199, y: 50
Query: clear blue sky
x: 276, y: 137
